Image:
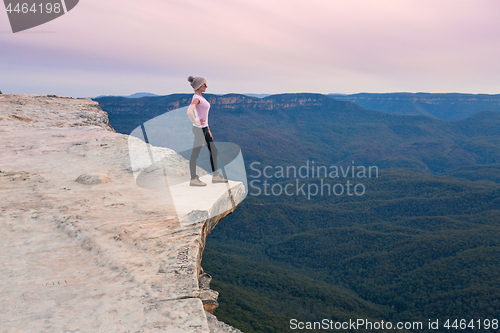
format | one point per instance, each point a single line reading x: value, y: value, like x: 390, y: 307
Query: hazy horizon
x: 304, y: 92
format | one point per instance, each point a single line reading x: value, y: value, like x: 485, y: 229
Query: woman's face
x: 203, y: 88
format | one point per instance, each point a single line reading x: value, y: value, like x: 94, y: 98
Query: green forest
x: 414, y: 247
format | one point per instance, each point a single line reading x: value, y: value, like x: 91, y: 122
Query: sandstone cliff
x: 82, y: 247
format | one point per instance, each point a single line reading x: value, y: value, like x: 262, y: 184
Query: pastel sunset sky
x: 257, y: 46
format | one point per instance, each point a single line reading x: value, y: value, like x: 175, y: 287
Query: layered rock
x: 158, y: 105
x: 82, y: 247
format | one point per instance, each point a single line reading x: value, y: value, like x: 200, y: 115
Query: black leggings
x: 202, y: 137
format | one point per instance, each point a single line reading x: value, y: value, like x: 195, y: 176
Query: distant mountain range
x: 451, y: 106
x: 440, y: 106
x: 136, y: 95
x: 288, y: 127
x: 145, y: 94
x: 257, y: 95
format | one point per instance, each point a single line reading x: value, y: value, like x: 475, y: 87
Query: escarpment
x: 154, y: 106
x: 83, y: 248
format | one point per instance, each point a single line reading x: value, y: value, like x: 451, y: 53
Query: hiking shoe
x: 218, y: 179
x: 197, y: 182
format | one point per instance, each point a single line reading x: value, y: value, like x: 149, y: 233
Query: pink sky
x: 349, y: 46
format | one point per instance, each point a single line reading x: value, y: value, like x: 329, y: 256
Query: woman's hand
x: 199, y: 122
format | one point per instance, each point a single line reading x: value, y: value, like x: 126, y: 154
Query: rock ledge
x: 82, y: 247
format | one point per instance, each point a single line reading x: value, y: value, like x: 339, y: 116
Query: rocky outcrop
x: 83, y: 248
x: 234, y: 101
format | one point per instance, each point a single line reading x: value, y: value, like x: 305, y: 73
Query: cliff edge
x: 82, y: 247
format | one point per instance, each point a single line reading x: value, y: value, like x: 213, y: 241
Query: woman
x: 198, y: 113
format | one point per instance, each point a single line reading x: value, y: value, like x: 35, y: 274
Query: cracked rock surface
x: 82, y: 247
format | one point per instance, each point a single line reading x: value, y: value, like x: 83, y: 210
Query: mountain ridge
x: 444, y: 106
x: 330, y: 131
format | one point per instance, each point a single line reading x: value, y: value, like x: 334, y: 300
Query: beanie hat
x: 196, y: 82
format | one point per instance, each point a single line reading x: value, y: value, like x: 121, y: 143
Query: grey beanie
x: 196, y: 82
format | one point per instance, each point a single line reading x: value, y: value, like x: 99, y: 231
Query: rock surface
x: 82, y: 247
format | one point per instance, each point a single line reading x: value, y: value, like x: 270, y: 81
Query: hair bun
x: 191, y: 78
